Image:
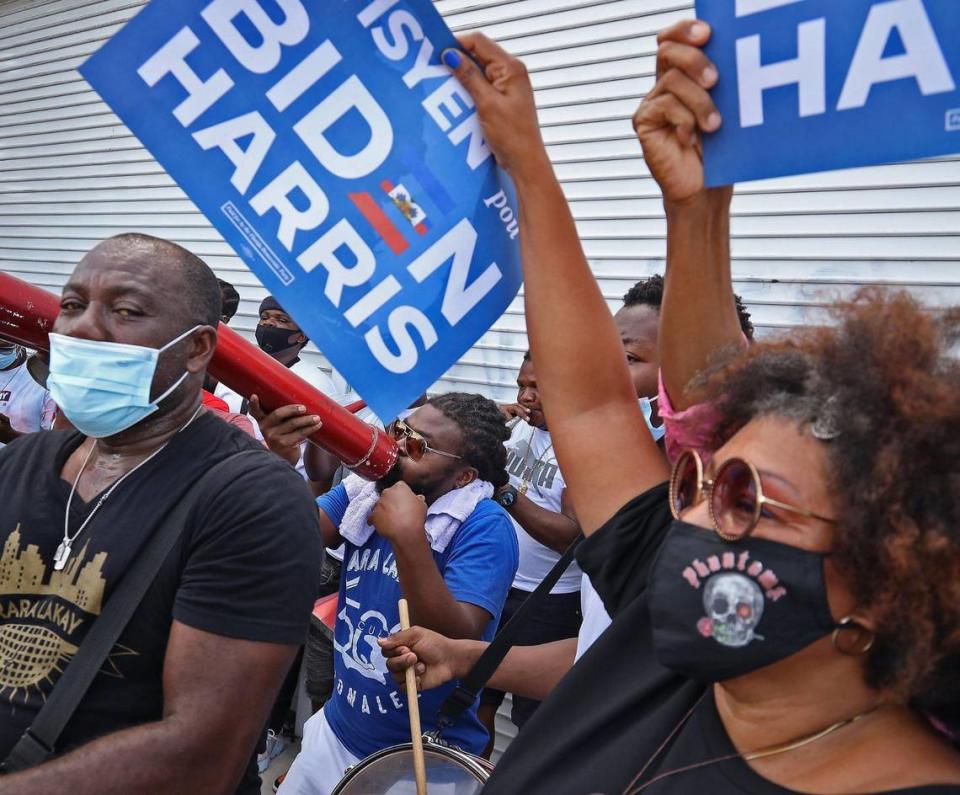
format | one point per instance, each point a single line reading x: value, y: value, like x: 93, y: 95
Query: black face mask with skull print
x: 722, y: 609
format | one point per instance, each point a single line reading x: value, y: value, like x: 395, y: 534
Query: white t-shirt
x: 530, y: 458
x: 27, y: 404
x: 595, y: 617
x: 310, y: 373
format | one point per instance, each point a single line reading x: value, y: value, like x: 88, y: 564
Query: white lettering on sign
x: 807, y: 71
x: 326, y: 252
x: 499, y: 202
x: 374, y: 11
x: 295, y: 83
x: 922, y: 60
x: 457, y: 244
x: 399, y: 322
x: 350, y: 95
x: 290, y: 194
x: 477, y: 151
x: 276, y: 196
x: 398, y: 45
x: 220, y: 15
x: 448, y: 104
x: 225, y: 135
x: 376, y: 299
x: 422, y: 69
x: 171, y: 59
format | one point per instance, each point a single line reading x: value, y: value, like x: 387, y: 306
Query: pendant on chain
x: 61, y: 556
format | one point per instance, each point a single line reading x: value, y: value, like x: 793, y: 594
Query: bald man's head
x: 180, y: 276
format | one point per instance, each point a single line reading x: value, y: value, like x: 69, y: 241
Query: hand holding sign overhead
x: 670, y: 118
x: 504, y: 99
x: 341, y: 160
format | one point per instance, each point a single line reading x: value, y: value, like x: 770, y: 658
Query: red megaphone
x: 27, y: 314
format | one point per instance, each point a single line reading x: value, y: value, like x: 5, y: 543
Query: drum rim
x: 467, y: 759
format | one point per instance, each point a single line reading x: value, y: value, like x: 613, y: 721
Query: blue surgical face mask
x: 103, y: 388
x: 8, y: 356
x: 657, y: 431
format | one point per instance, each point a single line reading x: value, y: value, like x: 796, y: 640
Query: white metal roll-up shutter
x: 71, y: 174
x: 797, y: 242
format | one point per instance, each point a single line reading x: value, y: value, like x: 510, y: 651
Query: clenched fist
x: 400, y: 515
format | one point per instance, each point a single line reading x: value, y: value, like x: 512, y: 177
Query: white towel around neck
x: 443, y: 517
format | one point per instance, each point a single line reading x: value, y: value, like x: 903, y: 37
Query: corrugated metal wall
x: 71, y: 173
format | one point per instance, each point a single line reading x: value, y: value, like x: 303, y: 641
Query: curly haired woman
x: 786, y: 616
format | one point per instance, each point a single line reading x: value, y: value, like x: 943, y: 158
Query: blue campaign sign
x: 813, y: 85
x: 339, y: 158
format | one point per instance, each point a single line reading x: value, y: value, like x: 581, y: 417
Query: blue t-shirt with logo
x: 368, y: 710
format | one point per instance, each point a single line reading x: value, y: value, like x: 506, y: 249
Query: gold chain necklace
x: 760, y: 753
x: 62, y: 555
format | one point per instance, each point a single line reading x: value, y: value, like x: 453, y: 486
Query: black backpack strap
x: 466, y: 692
x: 39, y: 741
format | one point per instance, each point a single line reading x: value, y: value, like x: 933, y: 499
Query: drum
x: 390, y: 772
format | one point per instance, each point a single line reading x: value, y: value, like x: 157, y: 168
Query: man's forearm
x: 161, y: 758
x: 551, y: 528
x: 533, y: 671
x: 528, y: 671
x: 698, y: 315
x: 431, y: 603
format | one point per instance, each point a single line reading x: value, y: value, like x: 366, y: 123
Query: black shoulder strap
x: 466, y: 692
x: 39, y: 741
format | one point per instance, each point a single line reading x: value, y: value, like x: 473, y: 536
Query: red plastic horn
x: 27, y: 314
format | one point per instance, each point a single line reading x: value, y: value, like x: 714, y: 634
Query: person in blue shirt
x: 428, y: 532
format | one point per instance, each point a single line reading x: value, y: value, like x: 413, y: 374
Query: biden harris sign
x: 341, y: 160
x: 812, y: 85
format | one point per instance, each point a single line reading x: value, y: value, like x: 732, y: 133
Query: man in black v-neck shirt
x: 183, y: 695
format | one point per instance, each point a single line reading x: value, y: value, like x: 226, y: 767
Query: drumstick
x: 413, y: 706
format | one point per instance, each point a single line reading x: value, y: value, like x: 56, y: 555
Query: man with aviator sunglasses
x: 429, y: 532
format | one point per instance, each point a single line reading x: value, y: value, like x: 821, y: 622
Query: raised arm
x: 698, y: 315
x: 602, y: 445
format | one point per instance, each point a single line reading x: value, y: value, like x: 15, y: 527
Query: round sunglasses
x: 412, y: 443
x: 735, y: 495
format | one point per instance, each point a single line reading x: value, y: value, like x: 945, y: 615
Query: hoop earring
x: 847, y: 622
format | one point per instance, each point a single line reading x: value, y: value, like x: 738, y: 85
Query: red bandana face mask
x: 722, y: 609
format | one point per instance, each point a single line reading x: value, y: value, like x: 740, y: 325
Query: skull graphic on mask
x: 734, y: 605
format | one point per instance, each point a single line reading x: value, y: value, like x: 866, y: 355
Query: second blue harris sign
x: 812, y: 85
x: 340, y: 160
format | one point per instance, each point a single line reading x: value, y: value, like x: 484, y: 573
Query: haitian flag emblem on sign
x: 342, y: 162
x: 813, y: 85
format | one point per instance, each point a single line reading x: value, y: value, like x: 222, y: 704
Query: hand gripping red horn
x: 27, y: 314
